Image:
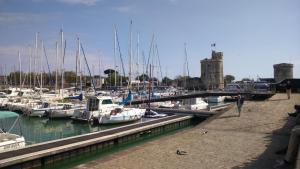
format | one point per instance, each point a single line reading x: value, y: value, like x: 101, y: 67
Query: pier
x: 47, y: 153
x: 222, y: 141
x: 256, y: 95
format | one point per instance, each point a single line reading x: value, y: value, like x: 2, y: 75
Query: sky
x: 252, y: 34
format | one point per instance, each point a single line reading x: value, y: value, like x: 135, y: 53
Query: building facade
x: 212, y: 71
x: 283, y: 71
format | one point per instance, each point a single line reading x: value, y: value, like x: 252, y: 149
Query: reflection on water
x: 36, y: 130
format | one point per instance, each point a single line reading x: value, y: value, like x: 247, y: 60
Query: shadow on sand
x: 277, y: 140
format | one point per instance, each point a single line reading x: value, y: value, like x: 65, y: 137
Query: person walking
x: 288, y: 87
x: 239, y: 103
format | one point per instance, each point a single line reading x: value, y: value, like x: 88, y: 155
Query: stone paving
x: 228, y: 141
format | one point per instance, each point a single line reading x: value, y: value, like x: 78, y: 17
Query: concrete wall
x: 212, y: 71
x: 283, y: 71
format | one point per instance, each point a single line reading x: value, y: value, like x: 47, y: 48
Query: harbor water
x: 37, y: 130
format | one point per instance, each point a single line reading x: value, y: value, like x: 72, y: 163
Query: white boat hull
x: 215, y: 99
x: 127, y: 115
x: 10, y: 141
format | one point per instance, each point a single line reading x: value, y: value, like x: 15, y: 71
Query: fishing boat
x: 10, y: 141
x: 121, y: 115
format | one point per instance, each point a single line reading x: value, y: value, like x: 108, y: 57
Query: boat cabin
x: 96, y: 103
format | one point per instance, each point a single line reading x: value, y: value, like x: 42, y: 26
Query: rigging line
x: 93, y: 83
x: 119, y: 49
x: 158, y: 61
x: 45, y: 53
x: 151, y: 46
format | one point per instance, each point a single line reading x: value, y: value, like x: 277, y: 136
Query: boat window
x: 45, y: 105
x: 66, y: 107
x: 93, y: 104
x: 107, y: 101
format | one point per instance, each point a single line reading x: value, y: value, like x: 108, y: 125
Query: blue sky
x: 252, y: 34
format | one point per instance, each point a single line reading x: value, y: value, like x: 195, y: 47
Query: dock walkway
x: 35, y: 155
x: 226, y: 141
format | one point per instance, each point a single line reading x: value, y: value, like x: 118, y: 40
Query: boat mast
x: 115, y: 46
x: 130, y: 54
x: 20, y: 69
x: 30, y: 67
x: 79, y: 64
x: 62, y: 58
x: 138, y: 56
x: 77, y: 60
x: 36, y: 55
x: 56, y: 70
x: 41, y: 59
x: 100, y: 84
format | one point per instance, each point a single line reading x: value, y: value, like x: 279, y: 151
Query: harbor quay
x: 223, y: 141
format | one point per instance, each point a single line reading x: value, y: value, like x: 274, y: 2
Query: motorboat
x: 3, y: 101
x: 94, y: 107
x: 10, y: 141
x: 41, y: 109
x: 166, y: 104
x: 215, y: 99
x: 153, y: 114
x: 121, y: 115
x: 66, y: 111
x: 195, y: 104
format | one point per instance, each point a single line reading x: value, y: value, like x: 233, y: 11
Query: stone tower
x: 283, y: 71
x: 212, y: 71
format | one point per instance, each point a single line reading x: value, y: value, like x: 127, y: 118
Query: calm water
x: 36, y: 130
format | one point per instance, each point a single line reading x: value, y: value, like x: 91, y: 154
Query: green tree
x: 142, y: 77
x: 167, y: 81
x: 246, y: 80
x: 70, y: 77
x: 229, y: 78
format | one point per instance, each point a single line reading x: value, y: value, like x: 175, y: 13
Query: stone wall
x: 283, y: 71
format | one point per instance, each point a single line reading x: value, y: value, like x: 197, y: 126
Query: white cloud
x: 124, y: 9
x: 83, y: 2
